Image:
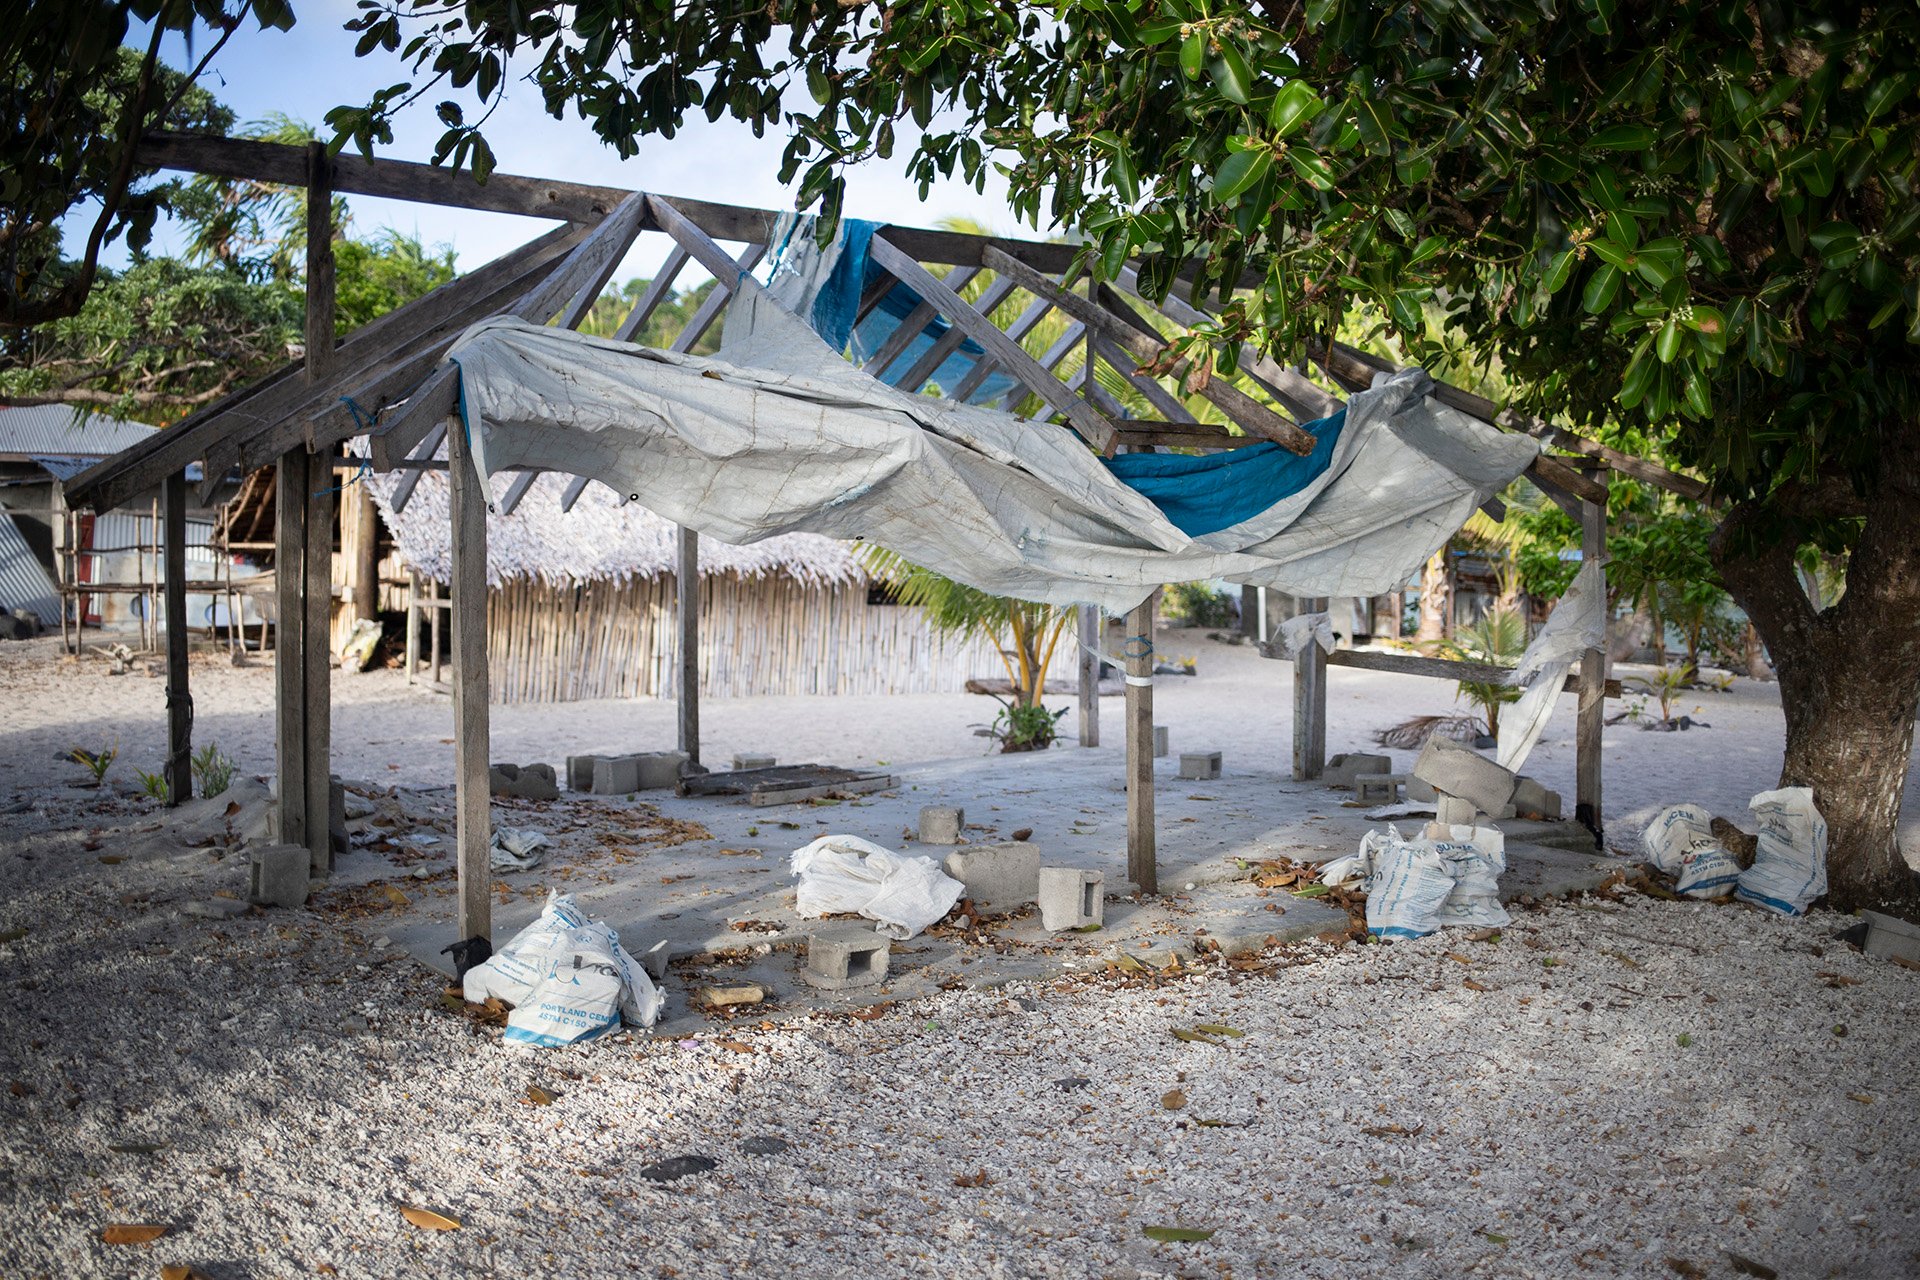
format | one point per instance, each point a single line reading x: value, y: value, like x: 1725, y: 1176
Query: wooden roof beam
x: 949, y: 342
x: 984, y: 366
x: 593, y: 258
x: 1092, y: 427
x: 1247, y: 413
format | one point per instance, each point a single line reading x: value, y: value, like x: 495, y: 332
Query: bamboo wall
x: 760, y: 636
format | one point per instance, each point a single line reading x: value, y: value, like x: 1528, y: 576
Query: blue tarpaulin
x: 1205, y: 493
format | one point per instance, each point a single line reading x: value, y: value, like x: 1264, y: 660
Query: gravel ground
x: 1614, y: 1088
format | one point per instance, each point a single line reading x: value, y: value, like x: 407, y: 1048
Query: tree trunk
x: 1436, y: 602
x: 1849, y: 678
x: 1758, y: 668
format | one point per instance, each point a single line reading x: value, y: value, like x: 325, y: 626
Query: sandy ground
x: 1614, y: 1088
x: 1240, y: 704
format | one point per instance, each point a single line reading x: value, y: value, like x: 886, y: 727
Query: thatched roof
x: 601, y: 538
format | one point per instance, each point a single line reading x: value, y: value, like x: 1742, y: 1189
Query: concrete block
x: 941, y: 824
x: 1377, y: 788
x: 580, y: 773
x: 656, y: 958
x: 998, y: 877
x: 841, y: 958
x: 1348, y: 765
x: 1453, y: 811
x: 750, y: 760
x: 1200, y: 764
x: 616, y: 775
x: 277, y: 875
x: 1455, y: 769
x: 1159, y: 741
x: 1891, y: 936
x: 1071, y: 898
x: 524, y: 782
x: 1534, y: 801
x: 1420, y: 791
x: 660, y: 770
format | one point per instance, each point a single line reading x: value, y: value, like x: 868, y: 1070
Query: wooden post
x: 359, y: 552
x: 1590, y: 718
x: 471, y: 746
x: 1310, y: 704
x: 289, y: 634
x: 688, y: 685
x: 1137, y: 650
x: 315, y: 570
x: 1089, y: 676
x: 434, y: 615
x: 413, y: 625
x: 179, y: 768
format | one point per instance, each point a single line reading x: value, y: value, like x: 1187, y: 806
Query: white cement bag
x: 1356, y: 869
x: 1680, y: 841
x: 1674, y: 831
x: 1475, y: 857
x: 1790, y: 869
x: 848, y: 874
x: 1410, y: 882
x: 567, y: 979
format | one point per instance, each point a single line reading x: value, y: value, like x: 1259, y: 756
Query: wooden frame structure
x: 388, y: 382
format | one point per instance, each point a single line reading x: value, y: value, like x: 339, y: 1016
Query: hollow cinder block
x: 1345, y: 769
x: 843, y: 958
x: 1159, y: 741
x: 1377, y: 788
x: 942, y: 824
x: 998, y: 877
x: 580, y: 773
x: 1534, y: 800
x: 616, y: 775
x: 1200, y: 764
x: 1071, y: 898
x: 277, y: 875
x: 660, y: 770
x: 1455, y: 769
x: 752, y: 760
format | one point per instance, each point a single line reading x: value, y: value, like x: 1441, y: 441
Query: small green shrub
x: 98, y: 761
x: 213, y: 769
x: 154, y: 785
x: 1026, y: 728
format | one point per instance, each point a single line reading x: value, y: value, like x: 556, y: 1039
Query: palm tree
x: 1024, y: 634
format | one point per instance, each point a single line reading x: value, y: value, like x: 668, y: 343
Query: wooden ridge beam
x: 1247, y: 413
x: 1091, y: 426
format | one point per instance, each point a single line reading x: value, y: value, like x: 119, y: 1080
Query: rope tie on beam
x: 363, y: 422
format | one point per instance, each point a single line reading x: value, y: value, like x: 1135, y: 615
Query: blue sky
x: 311, y: 69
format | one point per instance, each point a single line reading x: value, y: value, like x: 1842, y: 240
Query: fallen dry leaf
x: 539, y: 1097
x: 428, y: 1220
x: 135, y: 1232
x: 394, y: 896
x: 738, y: 1046
x: 1173, y: 1099
x: 1471, y: 985
x: 979, y: 1179
x: 1865, y: 1098
x: 1691, y: 1270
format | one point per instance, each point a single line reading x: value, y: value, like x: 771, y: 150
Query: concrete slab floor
x: 710, y: 874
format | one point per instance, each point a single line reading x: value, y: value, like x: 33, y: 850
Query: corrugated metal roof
x: 23, y: 583
x: 51, y: 430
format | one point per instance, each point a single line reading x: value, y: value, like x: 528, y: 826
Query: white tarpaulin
x: 779, y: 434
x: 1578, y: 623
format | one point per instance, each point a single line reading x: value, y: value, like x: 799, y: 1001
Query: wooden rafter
x: 593, y: 258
